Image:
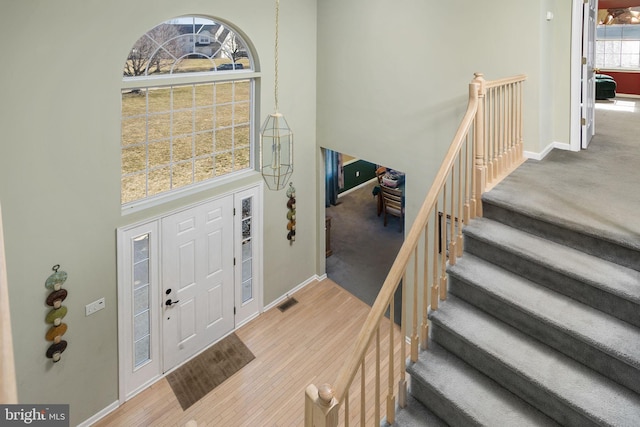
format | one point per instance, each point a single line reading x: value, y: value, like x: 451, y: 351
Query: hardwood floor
x: 305, y: 344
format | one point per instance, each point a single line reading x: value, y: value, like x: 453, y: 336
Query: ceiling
x: 615, y: 4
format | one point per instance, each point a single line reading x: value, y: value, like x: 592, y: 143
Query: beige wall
x: 391, y: 80
x: 393, y: 77
x: 60, y: 166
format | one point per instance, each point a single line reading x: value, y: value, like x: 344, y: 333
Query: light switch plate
x: 94, y: 306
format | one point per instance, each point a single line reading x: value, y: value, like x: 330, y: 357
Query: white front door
x: 205, y: 262
x: 590, y: 17
x: 197, y: 279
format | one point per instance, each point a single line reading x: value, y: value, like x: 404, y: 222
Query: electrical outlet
x: 94, y: 306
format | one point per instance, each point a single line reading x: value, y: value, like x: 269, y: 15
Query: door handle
x: 169, y: 303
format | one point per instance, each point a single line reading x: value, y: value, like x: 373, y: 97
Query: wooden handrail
x: 8, y: 389
x: 397, y: 270
x: 505, y: 81
x: 487, y: 146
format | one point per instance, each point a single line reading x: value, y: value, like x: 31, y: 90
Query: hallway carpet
x: 594, y: 191
x: 363, y: 248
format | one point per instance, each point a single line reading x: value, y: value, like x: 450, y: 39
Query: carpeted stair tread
x: 415, y: 415
x: 597, y: 272
x: 592, y: 326
x: 556, y: 384
x: 570, y: 215
x: 466, y: 396
x: 604, y: 236
x: 600, y: 341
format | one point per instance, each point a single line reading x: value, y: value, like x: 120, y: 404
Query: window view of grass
x: 176, y: 130
x: 180, y: 135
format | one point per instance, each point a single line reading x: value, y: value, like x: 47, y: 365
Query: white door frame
x: 153, y: 224
x: 577, y: 32
x: 129, y: 384
x: 248, y: 310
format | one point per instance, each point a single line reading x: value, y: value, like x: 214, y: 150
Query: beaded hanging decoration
x: 291, y: 213
x: 54, y: 283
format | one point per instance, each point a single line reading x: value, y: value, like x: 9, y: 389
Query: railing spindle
x: 377, y: 399
x: 452, y: 231
x: 489, y: 122
x: 436, y: 239
x: 460, y: 207
x: 467, y: 207
x: 346, y: 409
x: 512, y: 158
x: 391, y: 398
x: 415, y: 339
x: 363, y: 394
x: 443, y: 246
x: 425, y: 290
x: 402, y: 385
x: 472, y: 178
x: 520, y: 110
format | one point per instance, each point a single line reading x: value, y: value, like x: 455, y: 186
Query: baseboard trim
x: 100, y: 415
x: 541, y: 155
x: 344, y: 193
x: 314, y: 278
x: 626, y: 95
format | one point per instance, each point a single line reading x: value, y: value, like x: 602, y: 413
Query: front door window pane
x: 141, y: 300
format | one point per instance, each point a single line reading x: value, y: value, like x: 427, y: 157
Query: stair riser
x: 529, y: 391
x: 584, y: 352
x: 442, y: 407
x: 589, y: 244
x: 415, y: 414
x: 570, y: 286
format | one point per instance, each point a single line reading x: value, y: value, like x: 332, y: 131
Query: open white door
x: 590, y: 20
x: 198, y: 288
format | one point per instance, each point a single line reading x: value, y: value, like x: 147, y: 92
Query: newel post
x: 480, y: 167
x: 320, y: 407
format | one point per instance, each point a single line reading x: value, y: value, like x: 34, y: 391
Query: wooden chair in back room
x: 392, y: 204
x: 376, y: 191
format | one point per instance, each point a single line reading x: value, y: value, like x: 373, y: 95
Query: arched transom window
x: 187, y: 108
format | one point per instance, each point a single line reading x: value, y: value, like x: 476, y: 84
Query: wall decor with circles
x: 54, y: 317
x: 291, y: 213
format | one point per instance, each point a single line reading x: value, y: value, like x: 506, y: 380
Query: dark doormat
x: 199, y: 376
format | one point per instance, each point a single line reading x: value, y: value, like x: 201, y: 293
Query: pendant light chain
x: 276, y: 53
x: 276, y: 138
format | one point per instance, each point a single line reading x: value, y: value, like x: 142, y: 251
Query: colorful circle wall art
x: 54, y: 317
x: 291, y: 213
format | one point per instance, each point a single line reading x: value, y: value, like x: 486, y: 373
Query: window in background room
x: 618, y: 38
x: 187, y: 108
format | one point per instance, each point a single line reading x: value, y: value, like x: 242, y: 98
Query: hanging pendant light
x: 276, y: 138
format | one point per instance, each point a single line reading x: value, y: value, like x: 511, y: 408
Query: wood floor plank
x: 305, y: 344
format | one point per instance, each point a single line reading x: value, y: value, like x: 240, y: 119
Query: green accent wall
x: 356, y: 173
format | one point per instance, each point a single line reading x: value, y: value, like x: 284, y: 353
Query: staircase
x: 541, y: 326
